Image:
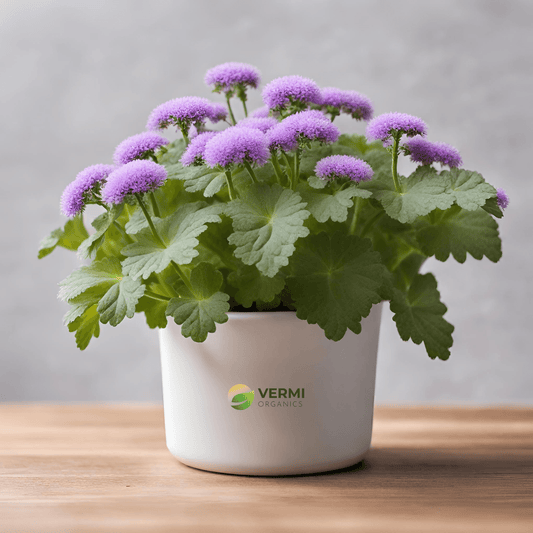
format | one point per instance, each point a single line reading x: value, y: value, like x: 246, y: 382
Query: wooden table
x: 87, y: 468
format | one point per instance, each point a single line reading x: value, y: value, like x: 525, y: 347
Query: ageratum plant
x: 278, y: 211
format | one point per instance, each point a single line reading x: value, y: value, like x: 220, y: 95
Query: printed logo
x: 240, y: 397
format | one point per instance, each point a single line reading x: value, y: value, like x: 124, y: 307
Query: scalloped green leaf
x: 86, y: 327
x: 199, y: 311
x: 252, y: 286
x: 325, y: 203
x: 457, y: 232
x: 418, y: 314
x: 70, y: 236
x: 469, y: 189
x: 178, y: 233
x: 267, y: 221
x: 334, y: 281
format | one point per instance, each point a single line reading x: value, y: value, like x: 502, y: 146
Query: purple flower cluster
x: 260, y: 112
x: 235, y: 146
x: 343, y: 166
x: 427, y: 152
x: 308, y: 125
x: 138, y: 147
x: 138, y: 176
x: 74, y: 196
x: 502, y: 198
x: 227, y: 76
x: 351, y: 102
x: 282, y: 92
x: 185, y: 111
x: 263, y: 124
x: 194, y: 154
x: 382, y: 126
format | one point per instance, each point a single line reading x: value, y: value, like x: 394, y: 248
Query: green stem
x: 277, y: 168
x: 244, y: 105
x: 127, y: 238
x: 250, y: 171
x: 371, y: 222
x: 230, y: 110
x: 356, y: 209
x: 395, y: 151
x: 156, y: 296
x: 149, y: 220
x: 289, y: 165
x: 182, y: 275
x: 185, y: 136
x: 154, y: 205
x: 229, y: 180
x: 296, y: 174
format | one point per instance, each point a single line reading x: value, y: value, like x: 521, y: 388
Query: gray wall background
x: 79, y: 77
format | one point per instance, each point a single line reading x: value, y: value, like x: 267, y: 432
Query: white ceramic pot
x: 312, y: 399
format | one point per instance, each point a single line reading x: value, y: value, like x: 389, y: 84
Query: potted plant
x: 263, y: 252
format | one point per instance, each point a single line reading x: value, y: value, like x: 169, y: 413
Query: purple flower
x: 351, y: 102
x: 138, y: 176
x: 260, y: 112
x: 502, y: 198
x: 263, y: 124
x: 236, y: 145
x: 138, y: 147
x: 75, y: 194
x: 182, y: 112
x: 383, y: 125
x: 343, y: 166
x: 228, y: 76
x: 311, y: 125
x: 282, y: 92
x: 218, y: 113
x: 194, y: 154
x: 427, y: 152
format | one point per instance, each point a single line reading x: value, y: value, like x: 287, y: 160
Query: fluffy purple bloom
x: 137, y: 147
x: 263, y: 124
x: 182, y: 112
x: 138, y: 176
x: 281, y: 92
x: 427, y: 152
x: 382, y: 126
x: 343, y: 166
x: 502, y: 198
x: 351, y: 102
x: 309, y: 125
x: 260, y: 112
x: 74, y: 196
x: 236, y: 145
x: 227, y: 76
x: 218, y: 112
x: 194, y: 154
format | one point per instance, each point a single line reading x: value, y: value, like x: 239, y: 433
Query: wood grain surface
x: 87, y: 468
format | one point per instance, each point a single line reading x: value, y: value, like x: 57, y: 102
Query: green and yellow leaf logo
x: 240, y: 397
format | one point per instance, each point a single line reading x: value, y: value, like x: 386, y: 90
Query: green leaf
x: 253, y: 286
x: 170, y: 159
x: 101, y: 223
x: 178, y: 233
x: 419, y: 316
x: 422, y: 192
x: 205, y: 306
x: 491, y: 206
x: 154, y: 311
x: 205, y: 179
x: 335, y: 280
x: 457, y: 231
x: 70, y: 237
x: 468, y: 188
x: 86, y: 327
x: 266, y: 223
x: 138, y: 222
x: 120, y: 301
x: 359, y: 144
x: 101, y: 284
x: 325, y: 204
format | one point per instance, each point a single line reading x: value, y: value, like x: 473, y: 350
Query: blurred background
x: 79, y: 77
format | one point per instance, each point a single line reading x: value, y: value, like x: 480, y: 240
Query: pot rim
x: 256, y: 314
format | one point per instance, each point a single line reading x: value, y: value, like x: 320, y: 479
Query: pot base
x: 274, y: 470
